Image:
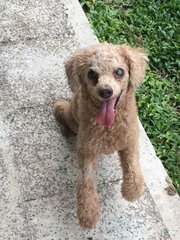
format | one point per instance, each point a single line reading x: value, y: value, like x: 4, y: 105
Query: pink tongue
x: 106, y: 114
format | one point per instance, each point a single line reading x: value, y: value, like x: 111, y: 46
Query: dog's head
x: 106, y: 71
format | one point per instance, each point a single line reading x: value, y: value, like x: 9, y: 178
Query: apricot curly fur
x: 94, y: 139
x: 88, y: 203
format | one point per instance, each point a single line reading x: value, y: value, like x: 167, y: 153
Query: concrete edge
x: 156, y: 177
x: 160, y: 187
x: 84, y: 33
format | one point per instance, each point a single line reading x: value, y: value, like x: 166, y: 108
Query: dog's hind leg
x: 63, y: 113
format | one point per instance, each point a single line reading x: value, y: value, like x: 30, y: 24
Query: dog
x: 103, y: 114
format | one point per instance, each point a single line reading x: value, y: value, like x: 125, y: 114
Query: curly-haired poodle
x: 103, y: 114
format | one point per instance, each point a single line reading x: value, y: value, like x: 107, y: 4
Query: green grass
x: 153, y: 25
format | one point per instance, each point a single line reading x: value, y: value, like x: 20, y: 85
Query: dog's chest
x: 111, y: 139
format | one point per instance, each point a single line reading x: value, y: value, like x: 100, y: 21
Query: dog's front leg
x: 87, y: 196
x: 133, y: 181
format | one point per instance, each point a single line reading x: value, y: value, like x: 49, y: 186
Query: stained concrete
x: 38, y: 171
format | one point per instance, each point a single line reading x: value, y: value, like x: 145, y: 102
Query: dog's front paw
x: 87, y: 203
x: 132, y: 188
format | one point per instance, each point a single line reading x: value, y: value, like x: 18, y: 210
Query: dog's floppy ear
x: 136, y: 59
x: 72, y: 73
x: 76, y: 65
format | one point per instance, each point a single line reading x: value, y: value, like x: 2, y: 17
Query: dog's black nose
x: 105, y: 92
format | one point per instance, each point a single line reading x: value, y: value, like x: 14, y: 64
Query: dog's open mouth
x: 106, y: 114
x: 116, y: 103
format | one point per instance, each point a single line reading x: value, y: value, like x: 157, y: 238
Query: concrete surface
x: 38, y: 171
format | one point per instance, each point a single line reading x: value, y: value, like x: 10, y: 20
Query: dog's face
x: 106, y: 75
x: 105, y: 71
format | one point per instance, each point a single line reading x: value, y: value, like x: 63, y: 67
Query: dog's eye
x: 92, y: 75
x: 119, y: 72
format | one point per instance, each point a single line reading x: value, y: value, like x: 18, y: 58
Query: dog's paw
x: 59, y: 112
x: 59, y: 108
x: 87, y: 204
x: 132, y: 188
